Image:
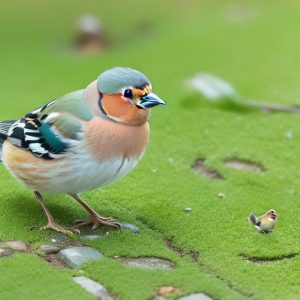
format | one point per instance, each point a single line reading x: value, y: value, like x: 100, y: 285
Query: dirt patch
x: 267, y: 260
x: 53, y: 260
x: 199, y: 167
x: 193, y: 255
x: 240, y: 164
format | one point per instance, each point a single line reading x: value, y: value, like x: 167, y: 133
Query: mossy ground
x: 253, y: 45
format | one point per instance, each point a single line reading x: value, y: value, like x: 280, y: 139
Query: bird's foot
x: 95, y: 220
x: 53, y: 225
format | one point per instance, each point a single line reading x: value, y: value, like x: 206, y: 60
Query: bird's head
x: 124, y: 95
x: 272, y: 214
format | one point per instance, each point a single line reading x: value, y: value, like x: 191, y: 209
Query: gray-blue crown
x: 113, y: 80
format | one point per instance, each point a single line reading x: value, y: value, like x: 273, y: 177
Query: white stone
x: 200, y: 296
x: 212, y: 87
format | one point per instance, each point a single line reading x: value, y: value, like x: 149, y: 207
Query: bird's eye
x: 128, y: 93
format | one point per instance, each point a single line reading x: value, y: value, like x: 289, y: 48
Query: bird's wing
x: 254, y: 220
x: 50, y: 131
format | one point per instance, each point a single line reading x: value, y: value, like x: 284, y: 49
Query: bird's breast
x: 107, y: 139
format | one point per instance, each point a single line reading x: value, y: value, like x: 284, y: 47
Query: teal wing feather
x: 49, y: 131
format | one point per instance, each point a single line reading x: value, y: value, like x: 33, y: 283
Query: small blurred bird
x: 81, y: 141
x: 264, y: 223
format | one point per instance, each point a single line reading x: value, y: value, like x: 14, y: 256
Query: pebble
x: 49, y: 249
x: 76, y: 256
x: 289, y: 134
x: 221, y: 195
x: 200, y: 296
x: 90, y: 237
x: 5, y: 252
x: 188, y: 209
x: 148, y: 263
x: 167, y: 290
x: 93, y: 287
x: 131, y: 228
x: 17, y: 245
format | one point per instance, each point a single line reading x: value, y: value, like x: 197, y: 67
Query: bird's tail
x: 252, y: 219
x: 4, y: 128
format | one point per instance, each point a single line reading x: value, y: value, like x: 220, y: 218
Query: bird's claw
x: 57, y: 227
x: 95, y: 221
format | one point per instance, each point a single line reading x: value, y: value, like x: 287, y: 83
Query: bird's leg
x: 51, y: 222
x: 94, y: 218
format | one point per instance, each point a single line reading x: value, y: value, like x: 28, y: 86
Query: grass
x: 252, y: 45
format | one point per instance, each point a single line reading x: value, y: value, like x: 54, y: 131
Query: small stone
x: 90, y: 237
x: 188, y: 209
x: 148, y: 263
x: 5, y: 252
x: 76, y: 256
x: 289, y: 134
x: 154, y: 171
x: 49, y: 249
x: 93, y: 287
x: 167, y: 290
x: 221, y: 195
x: 131, y: 228
x: 200, y: 296
x: 171, y: 160
x: 17, y: 245
x: 212, y: 87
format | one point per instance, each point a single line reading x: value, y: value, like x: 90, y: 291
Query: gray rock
x: 90, y: 237
x: 131, y: 227
x: 200, y: 296
x: 93, y: 287
x: 49, y: 249
x: 76, y: 256
x: 17, y: 245
x: 148, y: 263
x: 5, y: 252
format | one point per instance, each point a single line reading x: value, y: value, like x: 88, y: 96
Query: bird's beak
x: 150, y: 100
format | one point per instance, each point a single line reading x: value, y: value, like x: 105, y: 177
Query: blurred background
x: 49, y: 48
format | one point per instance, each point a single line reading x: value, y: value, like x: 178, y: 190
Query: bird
x: 264, y: 223
x: 81, y: 141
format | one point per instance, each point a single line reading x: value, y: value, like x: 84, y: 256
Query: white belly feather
x: 77, y: 173
x: 87, y: 174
